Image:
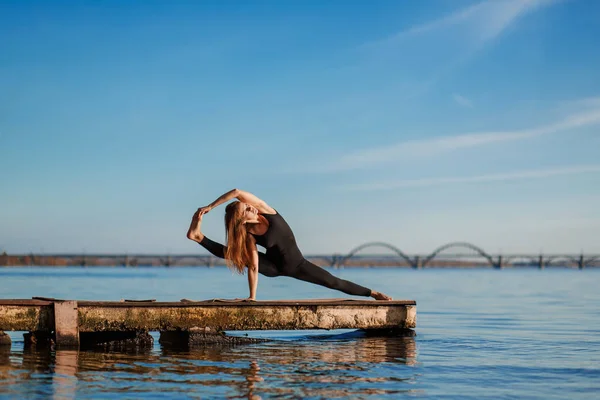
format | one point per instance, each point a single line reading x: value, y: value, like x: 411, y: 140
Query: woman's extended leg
x: 309, y: 272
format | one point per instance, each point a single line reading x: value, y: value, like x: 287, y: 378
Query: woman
x: 250, y: 221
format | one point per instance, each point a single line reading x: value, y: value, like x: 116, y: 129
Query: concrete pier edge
x: 71, y: 323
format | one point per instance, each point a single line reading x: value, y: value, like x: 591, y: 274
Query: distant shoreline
x: 334, y: 261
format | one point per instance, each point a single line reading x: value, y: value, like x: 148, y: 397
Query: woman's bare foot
x: 194, y: 233
x: 379, y: 296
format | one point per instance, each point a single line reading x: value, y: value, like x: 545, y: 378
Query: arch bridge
x: 397, y: 258
x: 422, y: 261
x: 342, y: 259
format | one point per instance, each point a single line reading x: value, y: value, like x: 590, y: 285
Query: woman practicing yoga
x: 250, y: 221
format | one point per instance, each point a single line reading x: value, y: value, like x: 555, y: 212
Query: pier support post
x: 418, y: 263
x: 201, y: 336
x: 4, y: 349
x: 4, y: 339
x: 499, y: 263
x: 37, y: 339
x: 66, y: 323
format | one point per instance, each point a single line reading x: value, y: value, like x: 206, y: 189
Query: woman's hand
x: 204, y: 210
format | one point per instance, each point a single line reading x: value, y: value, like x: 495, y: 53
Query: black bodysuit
x: 283, y: 258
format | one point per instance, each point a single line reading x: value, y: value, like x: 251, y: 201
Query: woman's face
x: 250, y: 212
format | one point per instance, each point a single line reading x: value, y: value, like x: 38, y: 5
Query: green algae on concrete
x: 165, y: 319
x: 230, y: 317
x: 26, y: 318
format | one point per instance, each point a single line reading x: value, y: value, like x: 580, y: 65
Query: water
x: 480, y: 333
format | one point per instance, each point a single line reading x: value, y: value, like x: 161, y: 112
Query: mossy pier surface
x: 26, y: 315
x: 217, y: 315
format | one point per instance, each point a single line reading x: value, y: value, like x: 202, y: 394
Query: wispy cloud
x: 587, y: 102
x: 427, y: 147
x: 462, y: 100
x: 433, y: 49
x: 481, y: 22
x: 512, y: 176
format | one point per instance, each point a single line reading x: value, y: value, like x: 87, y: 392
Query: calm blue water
x: 480, y: 333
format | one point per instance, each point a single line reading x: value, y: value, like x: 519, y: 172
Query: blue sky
x: 414, y: 123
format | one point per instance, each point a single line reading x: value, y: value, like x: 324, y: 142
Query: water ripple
x: 483, y: 334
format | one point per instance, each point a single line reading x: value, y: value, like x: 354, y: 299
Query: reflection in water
x: 332, y: 367
x: 5, y: 368
x: 64, y: 380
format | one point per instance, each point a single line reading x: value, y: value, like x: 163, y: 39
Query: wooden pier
x: 71, y: 323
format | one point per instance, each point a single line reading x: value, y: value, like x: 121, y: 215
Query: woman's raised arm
x: 242, y: 196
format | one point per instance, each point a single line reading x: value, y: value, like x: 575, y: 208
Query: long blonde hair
x: 237, y: 253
